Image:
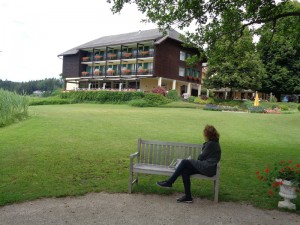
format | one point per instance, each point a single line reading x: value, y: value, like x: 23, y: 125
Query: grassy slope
x: 74, y: 149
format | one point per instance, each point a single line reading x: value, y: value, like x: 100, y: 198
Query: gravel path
x: 123, y: 209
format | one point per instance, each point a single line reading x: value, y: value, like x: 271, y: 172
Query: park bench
x: 154, y: 157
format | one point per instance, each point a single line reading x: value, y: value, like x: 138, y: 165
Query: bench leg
x: 130, y: 181
x: 137, y: 178
x: 216, y: 190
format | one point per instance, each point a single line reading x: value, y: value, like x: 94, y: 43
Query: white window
x: 182, y: 55
x: 181, y: 71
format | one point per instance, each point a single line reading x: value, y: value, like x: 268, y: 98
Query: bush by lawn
x: 12, y: 107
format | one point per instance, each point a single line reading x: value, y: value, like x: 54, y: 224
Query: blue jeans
x: 185, y: 169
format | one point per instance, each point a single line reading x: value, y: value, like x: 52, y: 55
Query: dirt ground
x: 123, y: 209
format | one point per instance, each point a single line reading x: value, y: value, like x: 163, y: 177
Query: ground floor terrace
x: 147, y: 84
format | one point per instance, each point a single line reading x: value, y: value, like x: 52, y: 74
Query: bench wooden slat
x: 163, y: 170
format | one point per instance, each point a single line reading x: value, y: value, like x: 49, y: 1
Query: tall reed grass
x: 12, y: 107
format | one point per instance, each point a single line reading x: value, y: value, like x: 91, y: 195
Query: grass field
x: 74, y: 149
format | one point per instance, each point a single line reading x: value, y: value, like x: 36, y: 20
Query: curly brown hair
x: 210, y: 133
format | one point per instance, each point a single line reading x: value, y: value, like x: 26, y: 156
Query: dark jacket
x: 208, y: 159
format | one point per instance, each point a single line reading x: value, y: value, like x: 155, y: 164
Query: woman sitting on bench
x: 205, y: 165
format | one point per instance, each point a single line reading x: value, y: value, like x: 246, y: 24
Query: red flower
x: 276, y: 184
x: 282, y: 170
x: 267, y: 170
x: 257, y: 172
x: 298, y: 165
x: 281, y: 162
x: 259, y: 177
x: 271, y: 193
x: 290, y: 161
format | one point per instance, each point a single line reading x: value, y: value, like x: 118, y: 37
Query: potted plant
x: 97, y: 57
x: 284, y: 175
x: 110, y: 71
x: 85, y: 59
x: 112, y: 55
x: 84, y: 73
x: 127, y: 54
x: 144, y: 53
x: 126, y: 71
x: 142, y: 70
x: 97, y: 72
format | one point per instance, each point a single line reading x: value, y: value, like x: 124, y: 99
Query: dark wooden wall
x: 167, y: 59
x: 71, y: 66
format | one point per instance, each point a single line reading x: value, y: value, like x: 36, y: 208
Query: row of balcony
x: 113, y: 56
x: 111, y: 72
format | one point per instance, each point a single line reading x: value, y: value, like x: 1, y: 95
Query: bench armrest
x: 134, y: 155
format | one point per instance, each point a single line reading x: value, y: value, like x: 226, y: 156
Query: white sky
x: 34, y: 32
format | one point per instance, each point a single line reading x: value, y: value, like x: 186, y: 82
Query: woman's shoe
x: 164, y: 184
x: 185, y: 199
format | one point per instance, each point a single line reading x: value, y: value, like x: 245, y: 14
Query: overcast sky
x: 34, y: 32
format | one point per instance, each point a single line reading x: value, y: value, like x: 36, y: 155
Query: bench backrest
x: 163, y: 153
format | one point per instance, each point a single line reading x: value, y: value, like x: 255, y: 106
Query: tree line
x: 27, y: 88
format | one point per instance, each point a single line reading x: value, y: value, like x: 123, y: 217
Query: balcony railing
x: 118, y: 56
x: 117, y: 73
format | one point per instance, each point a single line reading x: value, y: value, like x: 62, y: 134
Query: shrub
x: 155, y: 99
x: 247, y: 105
x: 49, y: 101
x: 256, y: 109
x: 191, y: 99
x: 203, y: 97
x: 173, y: 95
x: 12, y: 107
x: 284, y: 107
x: 273, y: 99
x: 204, y: 100
x: 56, y: 92
x: 46, y: 94
x: 139, y: 103
x: 159, y: 90
x: 102, y: 96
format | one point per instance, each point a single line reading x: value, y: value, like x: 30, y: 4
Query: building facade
x: 140, y: 60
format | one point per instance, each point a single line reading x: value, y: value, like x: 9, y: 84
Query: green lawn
x: 74, y: 149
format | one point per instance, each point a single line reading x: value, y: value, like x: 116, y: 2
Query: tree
x: 237, y: 68
x: 280, y: 53
x: 49, y: 84
x: 213, y: 18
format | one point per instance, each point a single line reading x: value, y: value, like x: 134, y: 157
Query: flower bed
x: 273, y: 111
